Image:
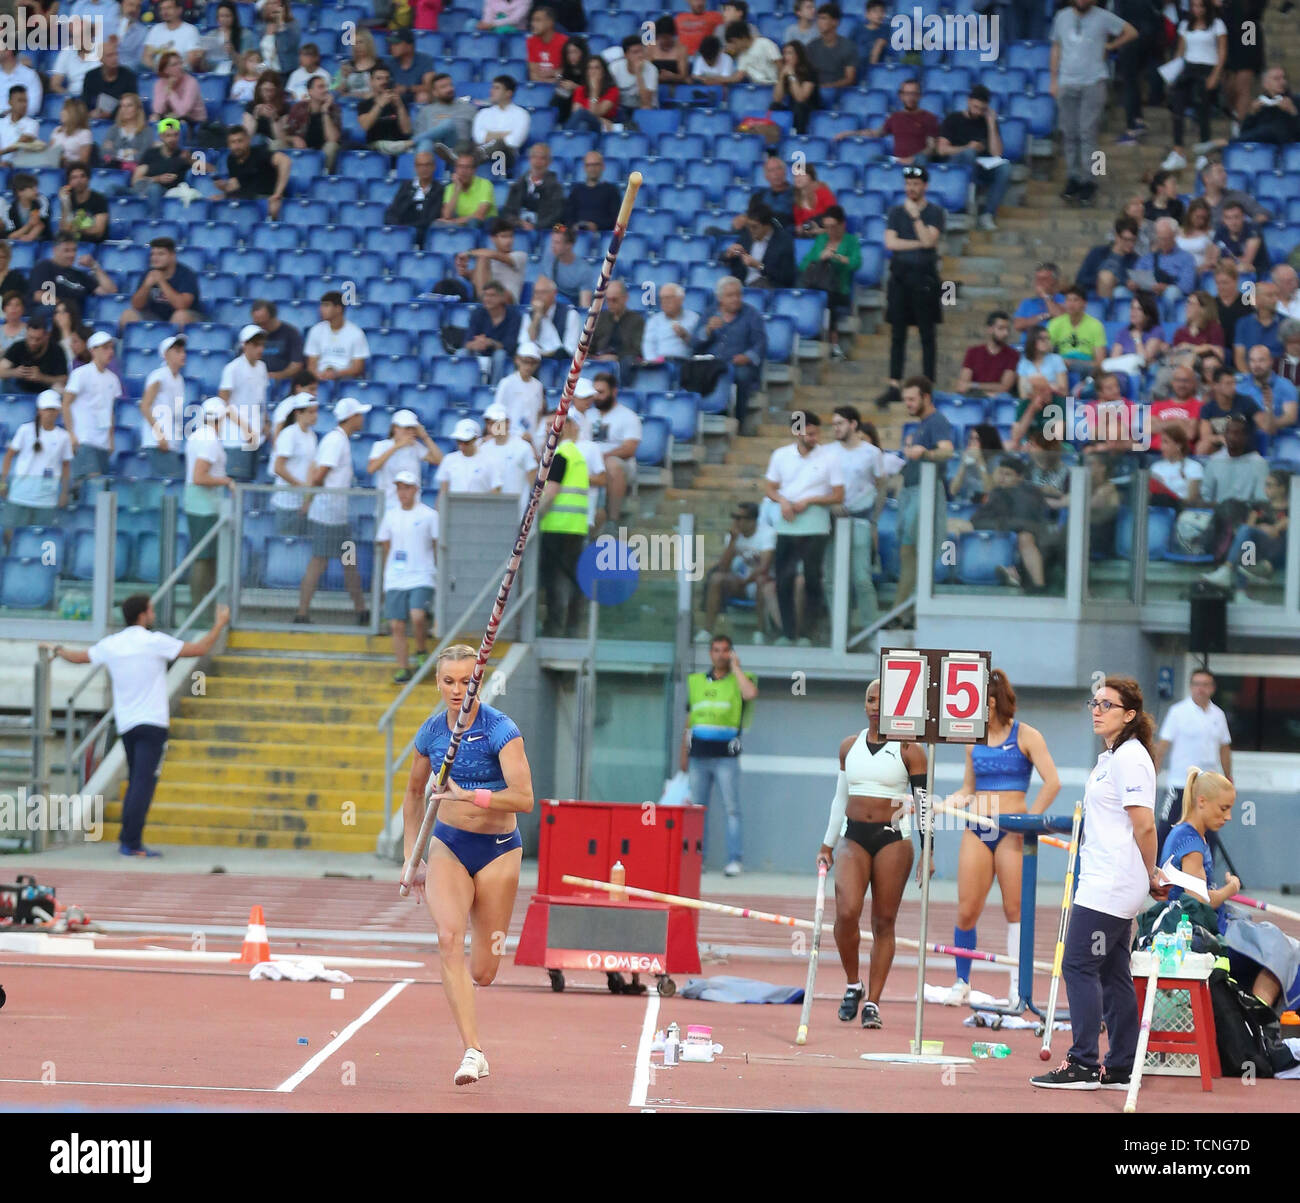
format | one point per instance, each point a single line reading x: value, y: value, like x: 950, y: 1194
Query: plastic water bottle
x: 1163, y: 950
x: 1184, y: 938
x: 983, y: 1050
x: 672, y: 1046
x: 618, y: 877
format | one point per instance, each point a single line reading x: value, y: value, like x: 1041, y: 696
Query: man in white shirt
x: 108, y: 11
x: 669, y: 330
x: 743, y: 570
x: 408, y: 542
x: 327, y: 516
x: 616, y: 430
x: 583, y: 408
x: 806, y: 480
x: 169, y: 32
x: 500, y: 261
x: 308, y: 68
x: 162, y: 409
x: 635, y: 76
x: 79, y: 56
x: 15, y: 74
x: 552, y: 327
x: 862, y: 465
x: 243, y: 386
x: 292, y: 460
x: 511, y: 452
x: 41, y: 454
x: 17, y: 130
x: 89, y: 399
x: 336, y: 349
x: 502, y: 127
x: 521, y: 394
x: 408, y: 449
x: 756, y: 59
x: 137, y: 659
x: 465, y: 470
x: 1194, y: 733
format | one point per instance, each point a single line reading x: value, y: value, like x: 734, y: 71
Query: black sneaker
x: 871, y: 1015
x: 888, y: 397
x: 1071, y: 190
x: 1069, y: 1075
x: 850, y: 1002
x: 1115, y: 1079
x: 363, y: 618
x: 301, y: 619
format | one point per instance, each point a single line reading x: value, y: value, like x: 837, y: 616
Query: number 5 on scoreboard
x: 904, y: 690
x: 963, y: 697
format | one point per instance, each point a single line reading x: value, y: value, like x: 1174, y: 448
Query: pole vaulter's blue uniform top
x: 1004, y: 767
x: 478, y: 763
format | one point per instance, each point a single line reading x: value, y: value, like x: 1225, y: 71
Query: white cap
x: 49, y: 399
x: 99, y: 339
x: 214, y: 407
x: 496, y: 413
x: 252, y: 330
x: 527, y: 350
x: 301, y: 401
x: 405, y: 417
x: 466, y: 431
x: 349, y: 407
x: 584, y: 388
x: 406, y: 478
x: 169, y: 342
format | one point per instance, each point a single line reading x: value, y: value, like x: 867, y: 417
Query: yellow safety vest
x: 717, y: 711
x: 568, y: 512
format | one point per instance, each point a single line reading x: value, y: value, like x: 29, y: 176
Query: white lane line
x: 641, y: 1079
x: 662, y: 1105
x: 291, y: 1083
x: 138, y: 1086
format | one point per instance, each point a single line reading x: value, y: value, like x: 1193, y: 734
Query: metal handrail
x: 899, y: 609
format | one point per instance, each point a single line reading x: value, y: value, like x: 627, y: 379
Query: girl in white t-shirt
x: 1175, y: 469
x: 1117, y: 870
x: 521, y: 393
x: 1203, y: 47
x: 162, y: 410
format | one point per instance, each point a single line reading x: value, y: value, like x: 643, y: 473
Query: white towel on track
x: 303, y: 969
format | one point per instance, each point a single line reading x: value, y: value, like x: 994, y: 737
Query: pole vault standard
x: 437, y: 781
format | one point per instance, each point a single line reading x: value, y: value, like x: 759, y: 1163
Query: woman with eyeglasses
x: 1117, y: 870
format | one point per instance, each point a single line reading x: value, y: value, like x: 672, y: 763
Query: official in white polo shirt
x: 515, y: 461
x: 162, y: 410
x: 244, y: 382
x: 89, y: 398
x: 408, y: 542
x: 137, y: 659
x: 465, y: 470
x: 40, y: 454
x: 206, y: 482
x: 328, y: 515
x: 805, y: 479
x: 291, y: 464
x: 407, y: 449
x: 1195, y: 732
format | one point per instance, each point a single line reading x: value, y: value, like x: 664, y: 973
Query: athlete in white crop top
x: 876, y: 783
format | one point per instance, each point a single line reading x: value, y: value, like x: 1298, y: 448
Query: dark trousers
x: 898, y: 348
x: 1190, y: 89
x: 747, y: 379
x: 145, y: 746
x: 795, y: 554
x: 1134, y: 61
x: 558, y: 569
x: 1100, y: 986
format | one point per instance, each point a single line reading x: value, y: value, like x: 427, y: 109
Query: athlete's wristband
x: 483, y: 798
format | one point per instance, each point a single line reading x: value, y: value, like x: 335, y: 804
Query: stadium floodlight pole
x: 525, y: 528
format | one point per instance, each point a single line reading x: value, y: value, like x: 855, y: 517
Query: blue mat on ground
x: 740, y: 990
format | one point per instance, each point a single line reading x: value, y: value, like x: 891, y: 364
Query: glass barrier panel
x: 1113, y: 480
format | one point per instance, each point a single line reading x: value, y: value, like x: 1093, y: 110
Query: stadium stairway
x: 279, y: 748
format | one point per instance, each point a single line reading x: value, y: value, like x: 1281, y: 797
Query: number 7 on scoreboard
x: 904, y: 693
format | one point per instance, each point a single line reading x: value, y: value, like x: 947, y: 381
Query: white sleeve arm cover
x: 839, y: 804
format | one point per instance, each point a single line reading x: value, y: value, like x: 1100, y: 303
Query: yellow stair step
x: 364, y: 710
x: 228, y: 837
x: 316, y: 641
x: 332, y: 801
x: 310, y: 777
x: 310, y: 738
x: 290, y: 690
x: 265, y: 818
x: 197, y: 744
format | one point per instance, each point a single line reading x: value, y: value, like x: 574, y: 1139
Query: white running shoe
x: 1222, y: 576
x: 703, y: 636
x: 958, y: 995
x: 732, y: 869
x: 473, y: 1067
x: 1174, y: 161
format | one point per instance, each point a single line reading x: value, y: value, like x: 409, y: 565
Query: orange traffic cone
x: 256, y: 946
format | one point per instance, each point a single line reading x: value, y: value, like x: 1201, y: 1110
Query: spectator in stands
x: 696, y: 24
x: 1217, y: 194
x: 1115, y: 425
x: 1276, y: 395
x: 1048, y: 470
x: 595, y: 100
x: 1197, y: 236
x: 12, y: 280
x: 227, y: 41
x: 1046, y: 303
x: 168, y: 291
x: 383, y: 116
x: 162, y: 410
x: 1264, y: 325
x: 500, y: 262
x: 671, y: 327
x: 1039, y: 361
x: 205, y: 477
x: 804, y: 27
x: 915, y: 130
x: 520, y: 395
x: 966, y: 137
x: 1235, y: 480
x: 418, y: 202
x: 107, y: 83
x: 1077, y: 336
x: 671, y: 58
x: 89, y: 399
x: 806, y: 480
x: 254, y: 172
x: 59, y: 278
x: 460, y: 281
x: 1203, y: 48
x: 40, y: 454
x: 353, y: 78
x: 1037, y: 410
x: 502, y: 127
x: 292, y: 456
x: 130, y: 137
x: 990, y: 367
x: 744, y: 570
x: 572, y: 275
x: 1142, y: 336
x: 14, y: 311
x: 83, y: 213
x: 327, y: 516
x: 493, y: 331
x: 464, y: 470
x: 1273, y: 116
x: 14, y: 74
x: 407, y: 448
x: 407, y: 540
x: 756, y: 60
x: 536, y: 199
x: 308, y: 68
x: 280, y: 35
x: 971, y: 483
x: 1242, y: 241
x: 504, y: 16
x: 1287, y: 365
x: 545, y: 48
x: 336, y: 348
x: 1019, y: 507
x: 169, y: 34
x: 811, y: 199
x: 1175, y: 476
x: 1287, y: 282
x: 619, y: 330
x: 71, y: 334
x: 248, y: 70
x: 616, y: 431
x: 777, y: 194
x: 164, y: 165
x: 1228, y: 299
x: 36, y: 363
x: 833, y: 58
x: 130, y: 33
x: 635, y: 76
x: 796, y: 85
x: 763, y: 255
x: 593, y: 204
x: 862, y: 465
x: 871, y: 38
x: 74, y: 61
x: 711, y: 66
x: 282, y: 350
x: 1107, y: 265
x: 316, y: 123
x: 20, y: 135
x: 553, y: 327
x: 244, y: 385
x: 738, y: 10
x: 912, y: 233
x: 573, y: 73
x: 412, y: 72
x: 732, y: 332
x: 563, y: 523
x: 830, y: 264
x: 28, y: 216
x: 445, y: 119
x: 1180, y: 410
x: 1225, y: 402
x: 71, y: 139
x: 1082, y: 36
x: 467, y: 198
x: 1263, y: 533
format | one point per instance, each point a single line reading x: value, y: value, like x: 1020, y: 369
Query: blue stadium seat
x: 1015, y: 138
x: 356, y: 265
x: 658, y: 172
x: 872, y: 271
x: 124, y: 263
x: 1254, y: 157
x: 390, y: 240
x: 269, y: 287
x: 209, y: 336
x: 806, y: 308
x: 652, y: 451
x: 386, y: 341
x: 244, y: 261
x: 42, y: 543
x: 681, y: 148
x: 1038, y: 111
x: 415, y: 317
x: 335, y: 190
x: 839, y: 177
x: 981, y: 553
x: 950, y: 186
x: 1286, y: 446
x: 961, y: 411
x: 397, y: 370
x: 148, y: 555
x: 362, y: 165
x: 1032, y: 56
x: 457, y: 376
x: 277, y: 236
x: 27, y: 584
x: 285, y: 561
x: 780, y: 338
x: 373, y: 392
x: 680, y: 410
x: 300, y: 264
x: 1160, y: 529
x: 379, y: 420
x: 83, y: 555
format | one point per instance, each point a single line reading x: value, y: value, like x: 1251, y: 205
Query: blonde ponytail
x: 1200, y: 785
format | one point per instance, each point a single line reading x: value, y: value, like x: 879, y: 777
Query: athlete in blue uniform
x: 997, y: 782
x: 475, y: 853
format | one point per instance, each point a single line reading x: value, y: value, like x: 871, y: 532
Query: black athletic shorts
x: 872, y: 837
